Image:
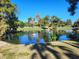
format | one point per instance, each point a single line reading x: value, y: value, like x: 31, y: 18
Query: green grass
x: 64, y: 28
x: 12, y: 51
x: 39, y: 28
x: 29, y: 29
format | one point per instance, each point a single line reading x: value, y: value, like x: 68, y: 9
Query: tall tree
x: 76, y: 24
x: 7, y: 12
x: 46, y: 19
x: 55, y: 20
x: 73, y: 6
x: 31, y: 21
x: 69, y: 22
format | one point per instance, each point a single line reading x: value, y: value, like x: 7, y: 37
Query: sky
x: 30, y: 8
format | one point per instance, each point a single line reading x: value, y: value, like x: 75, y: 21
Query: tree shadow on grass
x: 34, y: 56
x: 70, y: 54
x: 55, y: 53
x: 41, y: 48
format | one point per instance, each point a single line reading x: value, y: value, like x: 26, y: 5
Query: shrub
x: 3, y: 28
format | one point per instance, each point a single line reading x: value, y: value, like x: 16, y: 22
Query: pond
x: 35, y: 37
x: 28, y: 37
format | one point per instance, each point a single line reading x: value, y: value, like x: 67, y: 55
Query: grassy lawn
x: 29, y: 29
x: 13, y: 51
x: 64, y: 28
x: 39, y: 28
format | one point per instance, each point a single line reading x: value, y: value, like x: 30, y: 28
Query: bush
x: 3, y: 27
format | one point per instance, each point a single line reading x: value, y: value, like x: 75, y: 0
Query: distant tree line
x: 47, y: 21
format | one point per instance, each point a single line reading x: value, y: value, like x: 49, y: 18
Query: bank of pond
x: 43, y: 36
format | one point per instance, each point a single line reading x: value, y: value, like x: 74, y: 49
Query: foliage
x: 31, y: 21
x: 69, y: 22
x: 54, y: 37
x: 52, y: 21
x: 73, y: 4
x: 3, y: 27
x: 20, y: 23
x: 7, y: 16
x: 46, y: 18
x: 76, y: 24
x: 54, y: 18
x: 7, y: 9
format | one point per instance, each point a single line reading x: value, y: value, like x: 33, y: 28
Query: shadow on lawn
x: 41, y: 48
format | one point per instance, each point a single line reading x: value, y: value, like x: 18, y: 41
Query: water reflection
x: 12, y: 38
x: 39, y: 37
x: 31, y: 38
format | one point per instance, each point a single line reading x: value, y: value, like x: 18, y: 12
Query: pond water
x: 28, y: 37
x: 34, y: 37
